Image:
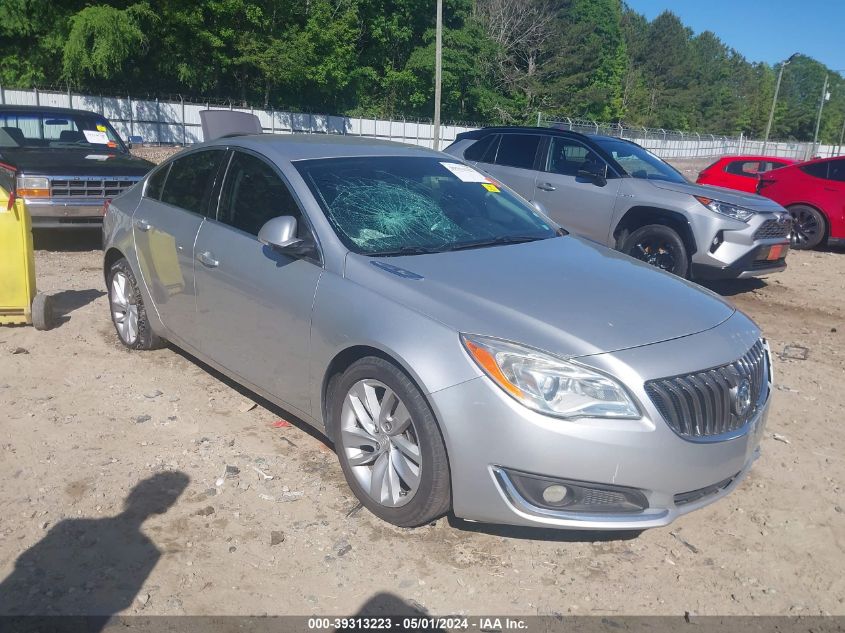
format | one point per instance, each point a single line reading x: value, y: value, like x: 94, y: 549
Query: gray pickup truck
x: 617, y: 193
x: 66, y: 163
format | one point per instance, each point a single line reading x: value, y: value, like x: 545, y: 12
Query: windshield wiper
x: 497, y: 241
x: 407, y: 250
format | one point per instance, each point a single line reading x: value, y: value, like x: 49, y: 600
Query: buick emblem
x: 742, y: 397
x: 783, y: 218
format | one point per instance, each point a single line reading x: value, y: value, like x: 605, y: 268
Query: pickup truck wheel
x: 389, y: 444
x: 660, y: 246
x: 128, y: 312
x: 808, y: 227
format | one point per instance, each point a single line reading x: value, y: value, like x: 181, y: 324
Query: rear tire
x: 660, y: 246
x: 389, y: 444
x: 128, y: 312
x: 808, y: 227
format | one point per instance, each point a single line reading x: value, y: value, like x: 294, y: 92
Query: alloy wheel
x: 380, y: 443
x: 657, y: 252
x: 805, y: 227
x: 124, y: 310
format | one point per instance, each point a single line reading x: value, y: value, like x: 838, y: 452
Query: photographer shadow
x: 91, y: 567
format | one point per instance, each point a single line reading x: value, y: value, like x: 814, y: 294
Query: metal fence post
x: 131, y: 116
x: 538, y: 118
x: 2, y: 95
x: 158, y: 121
x: 184, y: 131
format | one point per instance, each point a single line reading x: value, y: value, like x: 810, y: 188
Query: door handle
x: 546, y: 186
x: 207, y: 259
x: 143, y: 225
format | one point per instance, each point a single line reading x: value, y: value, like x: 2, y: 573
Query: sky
x: 764, y: 30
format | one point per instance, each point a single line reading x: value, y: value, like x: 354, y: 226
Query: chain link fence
x: 677, y: 144
x: 176, y: 121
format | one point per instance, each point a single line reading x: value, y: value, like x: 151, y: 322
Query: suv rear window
x: 481, y: 150
x: 518, y: 150
x: 190, y: 180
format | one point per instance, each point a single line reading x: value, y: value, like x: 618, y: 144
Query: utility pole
x: 775, y: 101
x: 825, y: 97
x: 438, y: 69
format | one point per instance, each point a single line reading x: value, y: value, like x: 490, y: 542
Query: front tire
x: 660, y: 246
x: 389, y: 444
x: 128, y: 312
x: 808, y: 227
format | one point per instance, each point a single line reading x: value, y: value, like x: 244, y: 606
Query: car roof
x: 308, y: 146
x: 760, y: 158
x: 47, y: 109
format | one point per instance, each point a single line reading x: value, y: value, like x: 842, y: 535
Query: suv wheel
x: 389, y: 444
x: 808, y: 227
x: 660, y: 246
x: 128, y: 312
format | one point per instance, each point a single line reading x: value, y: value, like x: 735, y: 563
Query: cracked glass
x: 408, y: 205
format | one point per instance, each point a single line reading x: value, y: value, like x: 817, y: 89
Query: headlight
x: 723, y: 208
x: 32, y: 187
x: 548, y: 384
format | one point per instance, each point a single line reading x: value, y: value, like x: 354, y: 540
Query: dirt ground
x: 84, y: 421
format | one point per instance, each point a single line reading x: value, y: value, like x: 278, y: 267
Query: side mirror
x: 279, y: 232
x: 595, y: 172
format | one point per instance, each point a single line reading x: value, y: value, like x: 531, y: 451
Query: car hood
x: 566, y: 295
x: 75, y: 162
x: 731, y: 196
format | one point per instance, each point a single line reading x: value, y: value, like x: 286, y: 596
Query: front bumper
x: 66, y: 213
x: 488, y: 433
x: 755, y: 263
x: 729, y: 249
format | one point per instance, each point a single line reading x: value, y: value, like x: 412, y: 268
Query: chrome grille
x: 773, y: 229
x: 708, y: 403
x: 89, y: 187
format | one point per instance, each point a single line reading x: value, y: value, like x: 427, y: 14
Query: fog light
x: 554, y: 494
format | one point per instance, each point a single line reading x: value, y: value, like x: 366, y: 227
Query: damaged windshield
x: 408, y: 205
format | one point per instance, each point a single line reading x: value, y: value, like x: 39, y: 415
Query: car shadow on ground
x: 94, y: 567
x: 73, y: 240
x: 251, y: 395
x: 733, y: 287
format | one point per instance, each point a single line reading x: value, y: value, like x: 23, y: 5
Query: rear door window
x: 254, y: 193
x: 483, y: 149
x: 746, y: 168
x: 837, y: 170
x: 190, y: 180
x: 819, y: 170
x: 518, y: 150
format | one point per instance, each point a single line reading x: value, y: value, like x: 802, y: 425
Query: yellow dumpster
x: 19, y: 301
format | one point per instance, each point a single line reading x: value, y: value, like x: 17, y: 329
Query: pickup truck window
x: 85, y: 131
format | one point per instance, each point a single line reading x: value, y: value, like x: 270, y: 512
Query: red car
x: 740, y: 172
x: 814, y: 193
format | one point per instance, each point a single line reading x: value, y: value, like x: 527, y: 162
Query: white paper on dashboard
x: 95, y: 136
x: 465, y: 173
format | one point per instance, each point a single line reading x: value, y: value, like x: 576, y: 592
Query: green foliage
x: 103, y: 39
x: 503, y: 60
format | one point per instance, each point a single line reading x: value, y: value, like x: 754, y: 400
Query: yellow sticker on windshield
x: 101, y: 128
x: 489, y: 186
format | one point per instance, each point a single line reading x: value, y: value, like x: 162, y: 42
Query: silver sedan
x: 460, y: 350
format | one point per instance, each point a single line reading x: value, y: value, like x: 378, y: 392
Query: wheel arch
x: 111, y: 256
x: 639, y: 216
